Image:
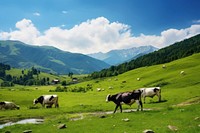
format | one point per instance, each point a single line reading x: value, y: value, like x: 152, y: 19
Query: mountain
x: 46, y: 58
x: 173, y: 52
x: 115, y: 57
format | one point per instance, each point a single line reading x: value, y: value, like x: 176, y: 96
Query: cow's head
x: 18, y: 107
x: 108, y: 98
x: 35, y: 101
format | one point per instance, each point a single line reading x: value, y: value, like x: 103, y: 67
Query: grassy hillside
x: 46, y: 58
x: 173, y: 52
x: 177, y: 92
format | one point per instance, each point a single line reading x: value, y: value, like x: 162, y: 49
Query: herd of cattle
x: 124, y: 97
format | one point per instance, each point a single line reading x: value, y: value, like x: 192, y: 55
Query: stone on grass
x: 62, y: 126
x: 148, y: 131
x: 126, y: 119
x: 172, y: 128
x: 27, y: 131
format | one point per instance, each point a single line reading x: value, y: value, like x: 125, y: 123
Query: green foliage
x: 85, y: 112
x: 173, y: 52
x: 30, y: 77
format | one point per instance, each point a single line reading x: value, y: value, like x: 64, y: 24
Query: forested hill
x: 47, y: 59
x: 173, y: 52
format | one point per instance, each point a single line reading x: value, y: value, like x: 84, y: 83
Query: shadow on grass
x: 154, y: 102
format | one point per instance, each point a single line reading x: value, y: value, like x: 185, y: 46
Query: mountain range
x: 115, y: 57
x: 46, y: 58
x: 167, y: 54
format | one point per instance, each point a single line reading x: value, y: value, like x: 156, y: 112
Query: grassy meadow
x: 85, y: 111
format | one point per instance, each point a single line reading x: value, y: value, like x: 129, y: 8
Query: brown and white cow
x: 8, y: 105
x: 47, y: 100
x: 151, y: 92
x: 127, y: 98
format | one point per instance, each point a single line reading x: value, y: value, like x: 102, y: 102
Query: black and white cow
x: 127, y: 98
x: 151, y: 92
x: 8, y: 105
x: 47, y: 100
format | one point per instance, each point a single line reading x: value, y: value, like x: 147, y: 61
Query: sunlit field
x: 86, y: 111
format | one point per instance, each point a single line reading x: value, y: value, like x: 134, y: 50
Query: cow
x: 47, y: 100
x: 151, y: 92
x: 127, y: 98
x: 8, y: 105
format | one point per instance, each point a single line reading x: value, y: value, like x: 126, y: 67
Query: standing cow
x: 151, y: 92
x: 48, y: 100
x: 126, y: 97
x: 8, y: 105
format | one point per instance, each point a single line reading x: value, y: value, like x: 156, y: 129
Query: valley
x: 176, y: 89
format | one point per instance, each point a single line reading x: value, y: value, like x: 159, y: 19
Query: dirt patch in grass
x: 195, y: 100
x: 80, y: 116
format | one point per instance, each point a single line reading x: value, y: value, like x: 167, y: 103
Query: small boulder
x: 148, y: 131
x: 126, y: 119
x: 27, y: 131
x: 62, y: 126
x: 172, y: 128
x: 197, y: 118
x: 102, y: 116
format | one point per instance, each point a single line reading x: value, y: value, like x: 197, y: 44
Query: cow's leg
x: 56, y: 105
x: 144, y: 98
x: 116, y: 108
x: 137, y: 101
x: 120, y: 108
x: 140, y: 102
x: 159, y: 96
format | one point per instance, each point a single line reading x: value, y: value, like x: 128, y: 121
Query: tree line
x: 173, y: 52
x: 31, y: 77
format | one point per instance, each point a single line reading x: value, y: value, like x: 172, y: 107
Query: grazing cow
x: 151, y: 92
x: 8, y: 105
x: 48, y: 100
x: 126, y: 97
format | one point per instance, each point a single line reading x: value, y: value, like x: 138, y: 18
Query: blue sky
x: 88, y: 26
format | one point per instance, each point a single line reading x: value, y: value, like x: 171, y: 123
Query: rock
x: 27, y: 131
x: 62, y: 126
x: 138, y: 79
x: 172, y: 128
x: 197, y: 118
x: 148, y: 131
x: 126, y: 120
x: 103, y: 116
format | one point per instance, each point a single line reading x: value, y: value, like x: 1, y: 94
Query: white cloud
x: 64, y: 12
x: 94, y: 35
x: 26, y: 32
x: 36, y: 14
x: 196, y: 21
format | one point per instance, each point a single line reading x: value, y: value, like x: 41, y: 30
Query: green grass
x: 176, y: 89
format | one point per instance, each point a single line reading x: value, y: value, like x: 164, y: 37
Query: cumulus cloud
x: 26, y: 32
x: 95, y: 35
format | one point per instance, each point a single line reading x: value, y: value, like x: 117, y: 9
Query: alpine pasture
x: 86, y: 111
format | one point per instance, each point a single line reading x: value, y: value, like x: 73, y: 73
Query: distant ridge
x: 173, y: 52
x: 47, y: 58
x: 115, y: 57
